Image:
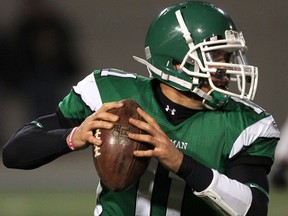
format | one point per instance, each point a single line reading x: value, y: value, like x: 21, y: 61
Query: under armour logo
x: 172, y: 111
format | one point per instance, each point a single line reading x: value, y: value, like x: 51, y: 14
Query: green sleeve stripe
x: 38, y: 124
x: 253, y: 185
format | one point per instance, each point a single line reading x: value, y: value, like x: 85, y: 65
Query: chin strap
x: 212, y: 100
x: 202, y: 94
x: 164, y: 76
x: 216, y: 100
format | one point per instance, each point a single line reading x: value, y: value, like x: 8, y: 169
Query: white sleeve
x: 88, y: 90
x: 228, y: 196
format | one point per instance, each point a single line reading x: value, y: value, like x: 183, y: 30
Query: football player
x: 212, y: 147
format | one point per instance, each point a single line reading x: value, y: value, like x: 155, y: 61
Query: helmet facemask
x: 243, y: 78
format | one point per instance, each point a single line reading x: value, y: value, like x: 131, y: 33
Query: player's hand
x: 84, y: 135
x: 164, y: 150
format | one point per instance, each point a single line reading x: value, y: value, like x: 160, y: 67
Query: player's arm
x: 36, y: 144
x: 243, y: 190
x: 252, y: 171
x: 47, y: 138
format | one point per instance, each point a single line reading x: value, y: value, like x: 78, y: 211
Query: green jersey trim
x: 253, y: 185
x: 263, y: 128
x: 38, y: 124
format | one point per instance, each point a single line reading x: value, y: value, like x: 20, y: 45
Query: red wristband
x: 71, y: 145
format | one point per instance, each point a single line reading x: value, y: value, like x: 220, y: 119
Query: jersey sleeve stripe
x: 263, y: 128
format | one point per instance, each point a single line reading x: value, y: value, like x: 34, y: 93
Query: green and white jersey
x: 210, y: 137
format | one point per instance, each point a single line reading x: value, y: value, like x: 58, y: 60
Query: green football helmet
x: 191, y: 34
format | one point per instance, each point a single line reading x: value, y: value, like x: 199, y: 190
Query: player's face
x: 219, y: 78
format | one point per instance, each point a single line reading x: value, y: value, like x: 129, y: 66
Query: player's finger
x: 100, y: 124
x: 140, y: 153
x: 152, y: 129
x: 94, y: 140
x: 110, y: 105
x: 103, y: 114
x: 143, y: 138
x: 148, y: 118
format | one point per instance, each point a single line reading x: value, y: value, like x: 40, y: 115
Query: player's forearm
x: 197, y: 176
x: 36, y: 144
x: 32, y: 147
x: 231, y: 196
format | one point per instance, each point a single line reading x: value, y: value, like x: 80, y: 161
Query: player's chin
x: 224, y: 85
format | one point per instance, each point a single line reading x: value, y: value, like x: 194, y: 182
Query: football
x: 114, y: 161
